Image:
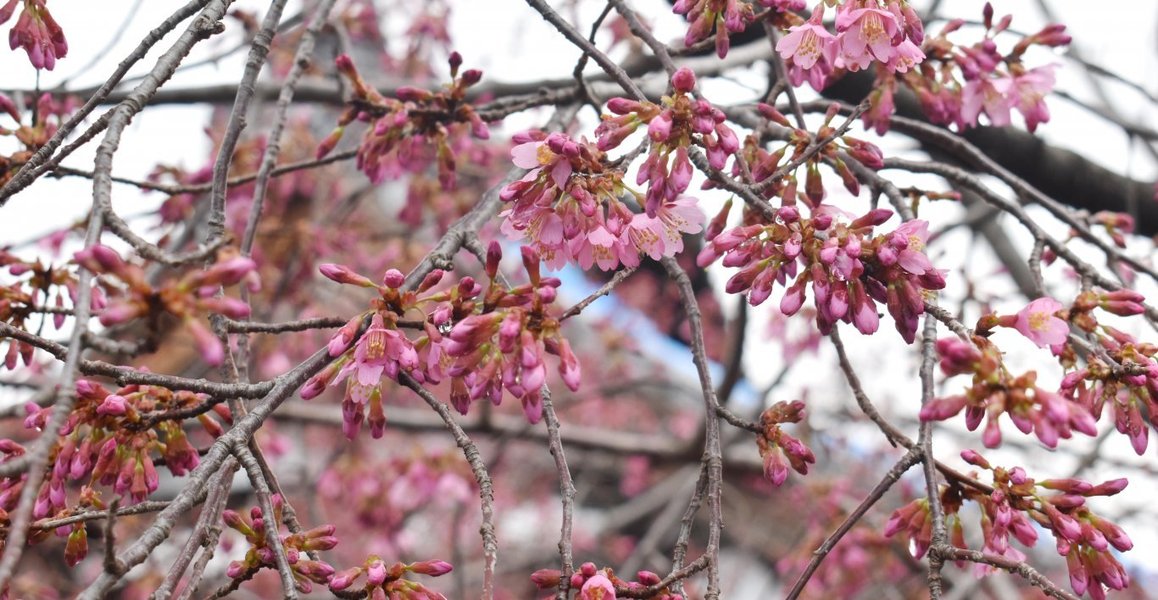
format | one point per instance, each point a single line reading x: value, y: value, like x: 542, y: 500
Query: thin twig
x: 482, y: 477
x: 912, y: 457
x: 713, y: 457
x: 603, y: 290
x: 272, y: 526
x: 285, y: 98
x: 566, y: 493
x: 258, y: 50
x: 39, y: 162
x: 925, y: 443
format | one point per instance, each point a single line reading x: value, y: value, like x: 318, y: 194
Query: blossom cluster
x: 297, y: 546
x: 673, y: 126
x: 866, y: 32
x: 186, y: 298
x: 722, y: 16
x: 380, y: 496
x: 412, y: 131
x: 1012, y: 506
x: 484, y: 343
x: 1121, y: 373
x: 46, y: 113
x: 959, y: 83
x: 36, y: 32
x: 594, y: 583
x: 301, y: 550
x: 28, y: 296
x: 849, y: 268
x: 502, y: 346
x: 995, y: 392
x: 384, y: 582
x: 570, y: 207
x: 112, y: 439
x: 778, y: 449
x: 773, y: 173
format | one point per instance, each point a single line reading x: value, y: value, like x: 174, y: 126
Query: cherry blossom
x: 36, y: 32
x: 1037, y: 321
x: 809, y: 45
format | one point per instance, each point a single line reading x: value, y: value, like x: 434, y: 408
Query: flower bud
x: 343, y: 274
x: 546, y: 579
x: 683, y: 80
x: 393, y: 278
x: 434, y: 568
x: 113, y: 405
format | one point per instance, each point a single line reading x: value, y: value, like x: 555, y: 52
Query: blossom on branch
x: 571, y: 206
x: 722, y: 16
x: 1011, y: 507
x: 412, y: 131
x: 36, y: 32
x: 298, y: 546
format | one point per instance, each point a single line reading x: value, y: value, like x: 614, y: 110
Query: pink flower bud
x: 119, y: 313
x: 974, y: 458
x: 432, y: 278
x: 100, y: 259
x: 375, y: 573
x: 598, y: 587
x: 343, y: 274
x: 471, y: 76
x: 113, y: 405
x: 1109, y: 488
x: 235, y: 569
x: 434, y: 568
x: 622, y: 106
x: 531, y: 263
x: 344, y: 579
x: 228, y: 272
x: 683, y: 80
x: 233, y: 308
x: 494, y: 256
x: 546, y: 579
x: 393, y: 278
x: 872, y: 218
x: 659, y: 129
x: 208, y: 345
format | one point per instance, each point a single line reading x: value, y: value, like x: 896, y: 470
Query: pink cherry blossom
x: 907, y: 55
x: 867, y: 34
x: 1037, y: 322
x: 1028, y: 92
x: 810, y: 43
x: 677, y: 217
x: 988, y: 95
x: 598, y: 587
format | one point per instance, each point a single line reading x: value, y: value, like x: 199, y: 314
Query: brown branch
x: 482, y: 477
x: 1022, y: 569
x: 912, y: 457
x: 39, y: 162
x: 713, y: 456
x: 604, y: 290
x: 258, y: 50
x: 925, y: 443
x: 566, y: 493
